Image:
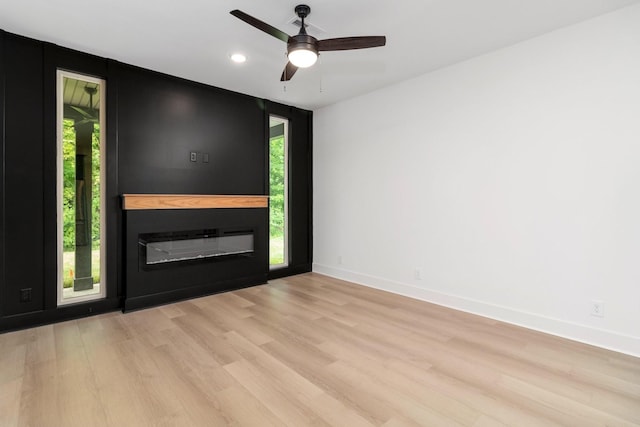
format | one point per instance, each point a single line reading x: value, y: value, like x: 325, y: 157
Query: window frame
x: 61, y: 74
x: 286, y: 123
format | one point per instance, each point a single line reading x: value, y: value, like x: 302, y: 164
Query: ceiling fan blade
x: 82, y: 112
x: 85, y: 121
x: 288, y: 72
x: 348, y: 43
x: 261, y: 25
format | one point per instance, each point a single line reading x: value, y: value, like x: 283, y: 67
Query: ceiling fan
x: 302, y: 49
x: 90, y: 115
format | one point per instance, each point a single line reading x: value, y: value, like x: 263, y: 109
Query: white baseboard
x: 598, y: 337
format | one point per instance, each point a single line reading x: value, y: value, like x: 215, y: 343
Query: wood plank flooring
x: 308, y: 351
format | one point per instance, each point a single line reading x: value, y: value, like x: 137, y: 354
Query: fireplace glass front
x: 158, y: 249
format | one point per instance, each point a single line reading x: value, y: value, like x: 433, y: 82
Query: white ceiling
x: 194, y: 38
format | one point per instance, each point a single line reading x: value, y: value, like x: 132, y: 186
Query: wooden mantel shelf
x: 191, y: 201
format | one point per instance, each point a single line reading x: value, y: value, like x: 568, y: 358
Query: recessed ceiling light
x: 238, y: 58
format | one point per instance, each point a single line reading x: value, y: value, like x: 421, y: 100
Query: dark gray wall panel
x: 162, y: 119
x: 2, y: 278
x: 23, y: 174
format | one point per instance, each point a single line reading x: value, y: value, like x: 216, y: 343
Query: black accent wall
x: 162, y: 119
x: 23, y: 178
x: 2, y: 180
x: 154, y: 122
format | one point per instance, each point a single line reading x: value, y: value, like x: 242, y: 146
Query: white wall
x: 512, y: 181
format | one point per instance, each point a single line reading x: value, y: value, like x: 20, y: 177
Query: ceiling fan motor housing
x: 302, y: 41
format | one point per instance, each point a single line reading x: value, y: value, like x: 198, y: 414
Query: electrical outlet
x: 340, y: 259
x: 417, y: 274
x: 193, y: 156
x: 25, y: 295
x: 597, y: 308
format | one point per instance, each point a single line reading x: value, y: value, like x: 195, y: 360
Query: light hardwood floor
x: 308, y: 350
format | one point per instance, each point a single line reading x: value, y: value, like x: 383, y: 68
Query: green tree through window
x: 277, y: 217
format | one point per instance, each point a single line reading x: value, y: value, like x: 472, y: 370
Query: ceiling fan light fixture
x: 303, y: 58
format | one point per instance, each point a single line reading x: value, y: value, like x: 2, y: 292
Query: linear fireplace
x: 157, y: 250
x: 183, y: 246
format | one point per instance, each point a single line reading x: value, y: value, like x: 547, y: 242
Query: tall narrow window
x: 80, y: 178
x: 278, y: 194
